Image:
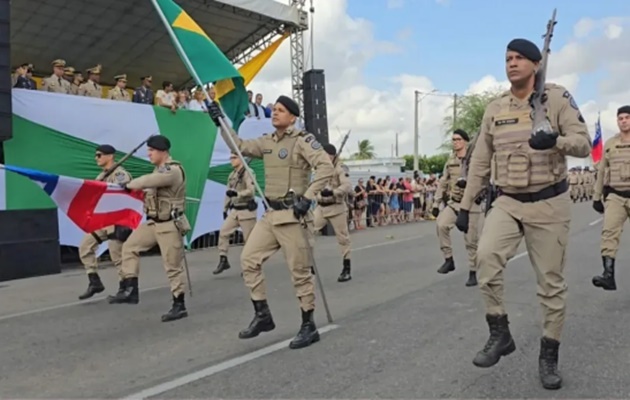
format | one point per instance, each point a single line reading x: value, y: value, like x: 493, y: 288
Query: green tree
x: 428, y: 165
x: 366, y: 151
x: 469, y: 114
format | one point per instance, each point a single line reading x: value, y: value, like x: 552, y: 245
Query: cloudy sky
x: 376, y: 53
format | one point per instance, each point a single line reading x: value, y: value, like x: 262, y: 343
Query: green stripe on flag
x: 220, y: 173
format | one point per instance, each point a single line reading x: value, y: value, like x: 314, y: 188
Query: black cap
x: 159, y: 142
x: 330, y: 149
x: 106, y: 149
x: 462, y: 133
x: 289, y: 104
x: 525, y: 48
x: 623, y: 110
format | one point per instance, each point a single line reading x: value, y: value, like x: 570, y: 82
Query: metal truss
x: 297, y: 54
x: 262, y: 41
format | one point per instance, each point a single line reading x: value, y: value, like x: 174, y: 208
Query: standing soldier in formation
x: 450, y: 184
x: 530, y: 172
x: 332, y: 207
x: 68, y: 74
x: 589, y: 180
x: 241, y: 199
x: 581, y: 184
x: 115, y: 235
x: 573, y: 185
x: 91, y: 88
x: 119, y: 92
x: 165, y: 204
x: 56, y: 83
x: 613, y: 189
x: 289, y: 156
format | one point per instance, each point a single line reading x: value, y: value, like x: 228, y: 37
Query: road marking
x: 94, y: 300
x: 217, y: 368
x: 597, y: 221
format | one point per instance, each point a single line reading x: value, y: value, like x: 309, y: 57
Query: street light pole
x: 416, y: 128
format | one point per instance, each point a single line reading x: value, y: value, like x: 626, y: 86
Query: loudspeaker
x: 315, y: 114
x: 29, y: 244
x: 6, y: 121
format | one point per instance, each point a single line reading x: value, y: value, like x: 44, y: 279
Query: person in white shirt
x: 166, y: 97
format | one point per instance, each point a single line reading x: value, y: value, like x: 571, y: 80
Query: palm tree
x: 469, y: 114
x: 366, y: 151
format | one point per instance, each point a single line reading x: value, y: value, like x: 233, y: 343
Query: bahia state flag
x: 91, y: 205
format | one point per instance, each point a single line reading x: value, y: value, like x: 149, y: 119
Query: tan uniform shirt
x: 56, y: 84
x: 118, y: 94
x: 240, y: 181
x: 91, y: 89
x: 341, y: 187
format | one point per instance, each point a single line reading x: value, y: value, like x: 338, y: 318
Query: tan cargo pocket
x: 624, y: 171
x: 518, y: 170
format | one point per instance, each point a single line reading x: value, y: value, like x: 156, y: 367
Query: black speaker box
x: 29, y: 244
x: 315, y: 113
x: 6, y: 123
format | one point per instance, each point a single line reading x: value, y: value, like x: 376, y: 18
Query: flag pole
x: 201, y: 84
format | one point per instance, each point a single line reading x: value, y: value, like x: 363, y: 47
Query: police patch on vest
x: 509, y: 121
x: 283, y: 153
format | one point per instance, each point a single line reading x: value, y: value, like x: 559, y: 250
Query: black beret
x: 106, y: 149
x: 289, y: 104
x: 462, y: 133
x: 623, y: 110
x: 525, y: 48
x: 330, y: 149
x: 159, y: 142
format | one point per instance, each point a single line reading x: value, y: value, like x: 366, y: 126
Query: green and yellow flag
x: 204, y: 60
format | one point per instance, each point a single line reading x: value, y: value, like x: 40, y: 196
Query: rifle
x: 539, y: 98
x: 125, y: 158
x: 343, y: 143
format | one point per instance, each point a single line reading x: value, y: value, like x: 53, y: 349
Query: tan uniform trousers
x: 88, y: 247
x: 445, y: 223
x: 546, y: 244
x: 267, y: 238
x: 168, y: 238
x: 617, y: 210
x: 233, y: 221
x: 339, y: 223
x: 575, y: 191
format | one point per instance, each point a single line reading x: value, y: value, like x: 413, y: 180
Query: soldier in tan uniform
x: 56, y: 83
x: 530, y: 172
x: 240, y: 199
x: 581, y: 189
x: 119, y: 92
x: 115, y: 235
x: 332, y: 207
x: 68, y: 74
x: 451, y: 184
x: 573, y: 185
x: 164, y: 203
x: 590, y: 183
x: 289, y: 155
x: 76, y: 82
x: 612, y: 193
x: 91, y: 88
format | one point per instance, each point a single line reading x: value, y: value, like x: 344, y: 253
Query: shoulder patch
x: 571, y: 99
x: 164, y: 168
x: 120, y: 176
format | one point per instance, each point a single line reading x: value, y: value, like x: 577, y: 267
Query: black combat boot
x: 308, y: 332
x: 130, y: 295
x: 224, y: 264
x: 94, y: 286
x: 500, y: 343
x: 606, y: 280
x: 262, y: 322
x: 178, y: 311
x: 345, y: 272
x: 472, y: 279
x: 548, y: 364
x: 448, y: 266
x: 121, y: 289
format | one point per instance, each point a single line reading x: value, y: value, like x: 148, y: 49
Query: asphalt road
x: 401, y: 330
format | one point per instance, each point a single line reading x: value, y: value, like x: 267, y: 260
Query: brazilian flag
x: 204, y: 60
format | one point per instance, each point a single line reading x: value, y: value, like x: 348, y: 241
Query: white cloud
x: 395, y: 3
x: 378, y: 110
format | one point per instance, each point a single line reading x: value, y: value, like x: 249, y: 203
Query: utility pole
x: 454, y: 109
x: 396, y: 144
x: 415, y: 130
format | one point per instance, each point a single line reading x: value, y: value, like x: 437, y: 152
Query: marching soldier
x: 531, y: 176
x: 115, y: 235
x: 56, y: 83
x: 612, y: 193
x: 289, y: 155
x: 573, y: 184
x: 240, y: 197
x: 449, y: 184
x: 164, y: 203
x: 590, y: 183
x: 91, y: 88
x: 332, y: 207
x: 581, y: 190
x: 119, y: 92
